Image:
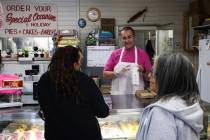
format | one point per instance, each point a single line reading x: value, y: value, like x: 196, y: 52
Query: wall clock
x: 93, y: 14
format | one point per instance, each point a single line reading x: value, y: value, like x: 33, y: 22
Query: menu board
x: 28, y: 19
x: 97, y: 56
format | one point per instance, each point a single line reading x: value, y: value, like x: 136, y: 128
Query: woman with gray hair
x: 177, y: 114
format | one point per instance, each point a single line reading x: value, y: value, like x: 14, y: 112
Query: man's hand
x: 141, y: 68
x: 120, y: 69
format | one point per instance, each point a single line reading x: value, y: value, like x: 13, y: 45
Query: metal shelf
x: 202, y: 27
x: 1, y: 89
x: 12, y: 104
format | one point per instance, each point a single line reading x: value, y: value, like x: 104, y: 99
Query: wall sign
x: 27, y: 19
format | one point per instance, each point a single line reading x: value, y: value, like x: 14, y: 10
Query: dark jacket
x: 72, y: 118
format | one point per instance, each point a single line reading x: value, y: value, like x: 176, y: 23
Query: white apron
x: 129, y: 81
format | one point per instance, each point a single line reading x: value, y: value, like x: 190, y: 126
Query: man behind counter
x: 127, y: 65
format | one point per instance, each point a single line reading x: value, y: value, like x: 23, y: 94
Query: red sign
x: 22, y: 19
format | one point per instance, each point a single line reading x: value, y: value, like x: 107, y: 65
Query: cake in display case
x: 23, y: 130
x: 122, y: 126
x: 125, y: 113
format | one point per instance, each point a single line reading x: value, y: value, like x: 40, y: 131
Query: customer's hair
x: 128, y: 28
x: 62, y: 72
x: 175, y: 77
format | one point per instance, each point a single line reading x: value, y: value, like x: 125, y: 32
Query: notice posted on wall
x: 97, y: 56
x: 28, y: 19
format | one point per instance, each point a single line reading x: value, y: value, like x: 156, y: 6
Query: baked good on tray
x: 145, y: 94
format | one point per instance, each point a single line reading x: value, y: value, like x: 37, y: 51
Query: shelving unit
x: 19, y: 88
x: 12, y: 104
x: 107, y: 42
x: 202, y: 27
x: 68, y: 37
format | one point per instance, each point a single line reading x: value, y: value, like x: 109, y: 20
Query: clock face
x: 93, y: 14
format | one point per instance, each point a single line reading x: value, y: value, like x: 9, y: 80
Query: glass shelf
x: 18, y: 88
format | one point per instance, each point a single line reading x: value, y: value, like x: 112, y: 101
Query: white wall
x: 159, y: 12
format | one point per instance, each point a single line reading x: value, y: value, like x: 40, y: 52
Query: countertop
x: 119, y: 104
x: 16, y: 58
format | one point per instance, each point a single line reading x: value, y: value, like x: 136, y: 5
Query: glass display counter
x: 24, y: 123
x: 120, y: 125
x: 21, y: 124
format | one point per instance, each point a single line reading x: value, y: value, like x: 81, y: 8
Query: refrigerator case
x: 203, y: 75
x: 21, y: 126
x: 26, y: 124
x: 120, y: 125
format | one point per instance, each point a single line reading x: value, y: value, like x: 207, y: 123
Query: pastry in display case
x: 110, y: 130
x: 24, y: 130
x: 20, y: 125
x: 120, y: 125
x: 115, y: 126
x: 145, y: 94
x: 129, y: 127
x: 25, y: 124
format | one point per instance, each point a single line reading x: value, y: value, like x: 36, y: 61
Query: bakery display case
x: 124, y: 118
x: 120, y: 125
x: 21, y: 123
x: 24, y: 123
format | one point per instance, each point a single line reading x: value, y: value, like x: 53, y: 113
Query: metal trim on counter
x: 11, y: 104
x: 9, y: 59
x: 127, y: 103
x: 41, y: 59
x: 120, y: 104
x: 15, y: 113
x: 16, y: 59
x: 121, y: 111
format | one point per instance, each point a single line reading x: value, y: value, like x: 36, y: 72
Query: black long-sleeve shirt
x: 69, y: 117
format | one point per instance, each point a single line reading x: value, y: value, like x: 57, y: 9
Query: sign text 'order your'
x: 37, y: 19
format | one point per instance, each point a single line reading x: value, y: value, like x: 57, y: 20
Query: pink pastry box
x: 10, y: 87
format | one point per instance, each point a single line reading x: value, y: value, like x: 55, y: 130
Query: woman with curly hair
x: 70, y: 100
